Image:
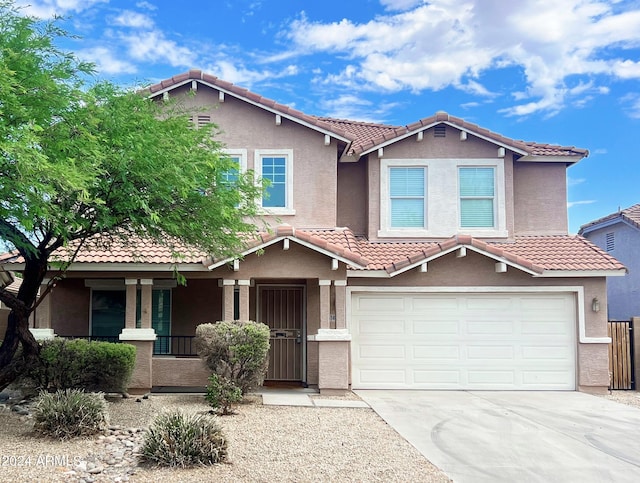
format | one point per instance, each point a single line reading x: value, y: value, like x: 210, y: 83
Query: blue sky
x: 553, y: 71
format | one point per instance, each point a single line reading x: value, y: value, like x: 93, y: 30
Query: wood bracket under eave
x: 194, y: 85
x: 463, y: 135
x: 285, y: 244
x: 236, y: 265
x: 422, y: 268
x: 380, y: 152
x: 220, y: 96
x: 278, y: 119
x: 462, y: 252
x: 420, y: 136
x: 501, y: 152
x: 334, y: 264
x: 165, y: 96
x: 327, y: 140
x: 501, y: 267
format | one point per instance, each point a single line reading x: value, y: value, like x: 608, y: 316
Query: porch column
x: 244, y: 299
x: 325, y: 303
x: 340, y: 298
x: 146, y: 302
x: 131, y: 288
x: 333, y: 344
x: 42, y: 322
x: 228, y: 286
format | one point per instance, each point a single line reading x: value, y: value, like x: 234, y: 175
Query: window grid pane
x: 231, y: 176
x: 407, y: 197
x: 477, y: 196
x: 275, y: 170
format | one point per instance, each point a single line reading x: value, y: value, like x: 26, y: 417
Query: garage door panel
x: 435, y: 326
x: 382, y: 352
x: 464, y: 341
x: 490, y: 353
x: 436, y: 352
x: 375, y: 304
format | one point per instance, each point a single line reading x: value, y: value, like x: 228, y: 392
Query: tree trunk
x: 18, y: 333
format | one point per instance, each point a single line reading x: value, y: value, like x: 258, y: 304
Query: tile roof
x: 365, y: 136
x: 631, y: 215
x: 535, y: 253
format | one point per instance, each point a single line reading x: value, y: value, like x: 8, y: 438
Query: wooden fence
x: 621, y: 354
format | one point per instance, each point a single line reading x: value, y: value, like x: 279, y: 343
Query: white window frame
x: 238, y: 153
x: 277, y: 153
x: 425, y: 198
x: 443, y: 200
x: 492, y: 198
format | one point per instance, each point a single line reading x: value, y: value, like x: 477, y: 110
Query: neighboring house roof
x: 630, y: 215
x: 365, y: 137
x: 553, y: 255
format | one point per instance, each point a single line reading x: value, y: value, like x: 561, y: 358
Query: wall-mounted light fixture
x: 595, y: 304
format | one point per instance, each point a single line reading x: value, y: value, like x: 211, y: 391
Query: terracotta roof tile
x: 631, y: 215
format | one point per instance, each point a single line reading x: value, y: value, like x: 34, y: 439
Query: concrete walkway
x: 523, y: 436
x: 301, y: 397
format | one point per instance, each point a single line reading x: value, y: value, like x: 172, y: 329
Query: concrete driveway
x: 482, y: 436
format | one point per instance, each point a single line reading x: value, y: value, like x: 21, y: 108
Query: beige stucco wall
x: 353, y: 209
x: 176, y: 372
x: 540, y: 198
x: 70, y: 305
x: 244, y: 126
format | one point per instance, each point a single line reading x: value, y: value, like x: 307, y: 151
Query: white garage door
x: 463, y: 341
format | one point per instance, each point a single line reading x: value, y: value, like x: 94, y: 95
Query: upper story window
x: 238, y: 156
x: 424, y: 198
x: 277, y: 167
x: 477, y: 197
x: 407, y: 190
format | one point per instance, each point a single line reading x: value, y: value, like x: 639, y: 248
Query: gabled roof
x: 365, y: 137
x: 630, y: 215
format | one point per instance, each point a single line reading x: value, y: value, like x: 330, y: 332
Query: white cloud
x: 127, y: 18
x: 571, y: 204
x: 106, y: 62
x: 350, y: 106
x: 153, y: 46
x: 631, y: 104
x: 563, y: 48
x: 574, y: 181
x: 49, y: 8
x: 239, y: 74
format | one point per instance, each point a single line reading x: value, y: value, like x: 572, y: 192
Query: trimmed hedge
x: 81, y: 364
x: 235, y: 350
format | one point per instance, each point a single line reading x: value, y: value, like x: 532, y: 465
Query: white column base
x: 330, y: 335
x: 43, y: 334
x: 137, y: 334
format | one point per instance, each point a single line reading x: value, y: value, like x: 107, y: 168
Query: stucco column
x: 42, y: 321
x: 340, y: 300
x: 243, y: 286
x: 146, y: 302
x: 131, y: 289
x: 142, y: 339
x: 228, y: 287
x: 325, y: 303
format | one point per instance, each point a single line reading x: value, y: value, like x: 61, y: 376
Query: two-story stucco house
x: 429, y: 256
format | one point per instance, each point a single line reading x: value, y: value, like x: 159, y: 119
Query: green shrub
x: 178, y: 439
x: 222, y: 394
x: 235, y: 350
x: 92, y: 366
x: 69, y: 413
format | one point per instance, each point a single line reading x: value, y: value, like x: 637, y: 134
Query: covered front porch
x: 297, y: 291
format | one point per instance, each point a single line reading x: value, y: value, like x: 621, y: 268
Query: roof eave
x: 583, y: 273
x: 536, y: 158
x: 254, y: 103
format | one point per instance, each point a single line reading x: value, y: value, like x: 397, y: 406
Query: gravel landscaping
x: 266, y: 443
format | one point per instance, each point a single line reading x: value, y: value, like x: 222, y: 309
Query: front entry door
x: 282, y: 309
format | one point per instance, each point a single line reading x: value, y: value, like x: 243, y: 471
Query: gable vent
x: 203, y: 119
x: 440, y: 131
x: 610, y: 242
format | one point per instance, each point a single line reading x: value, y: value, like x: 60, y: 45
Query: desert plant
x: 70, y: 413
x: 235, y: 350
x: 177, y: 439
x: 222, y: 394
x: 80, y: 364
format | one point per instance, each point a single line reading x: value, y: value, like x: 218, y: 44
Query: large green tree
x: 79, y: 161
